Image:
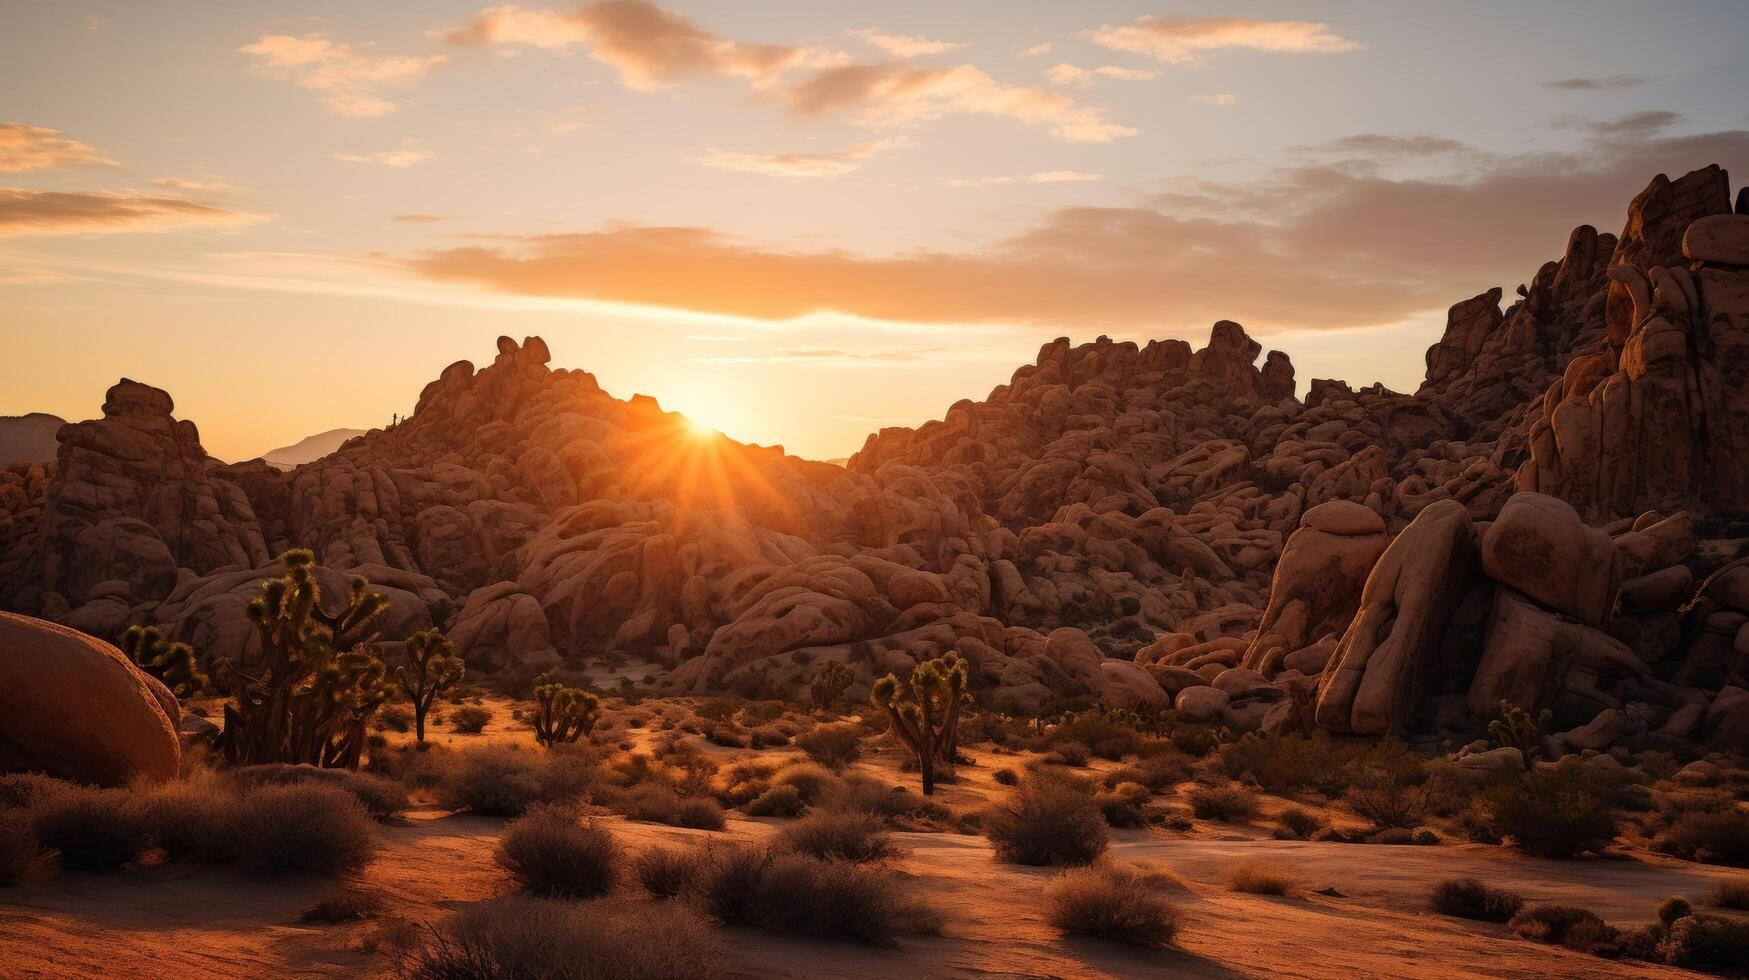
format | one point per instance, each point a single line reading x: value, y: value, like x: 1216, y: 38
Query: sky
x: 797, y: 222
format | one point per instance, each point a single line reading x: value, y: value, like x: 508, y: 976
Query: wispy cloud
x: 1597, y: 84
x: 25, y: 148
x: 198, y: 185
x: 1036, y: 50
x: 1188, y: 40
x: 1218, y: 98
x: 405, y: 155
x: 1078, y: 77
x: 834, y: 163
x: 351, y: 80
x: 420, y: 219
x: 896, y: 94
x: 25, y: 212
x: 905, y: 45
x: 1043, y: 177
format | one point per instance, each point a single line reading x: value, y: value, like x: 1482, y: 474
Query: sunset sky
x: 797, y: 221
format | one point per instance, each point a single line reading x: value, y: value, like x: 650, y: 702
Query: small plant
x: 1720, y: 837
x: 469, y: 719
x: 1706, y: 942
x: 562, y: 714
x: 925, y: 712
x: 1225, y: 803
x: 1048, y: 819
x: 518, y: 936
x: 1005, y: 777
x: 1262, y: 878
x: 801, y: 894
x: 1122, y: 804
x: 1560, y: 925
x: 833, y: 746
x: 829, y: 683
x: 432, y: 667
x: 551, y: 853
x: 345, y: 904
x: 1467, y: 898
x: 1295, y: 823
x: 1515, y: 728
x: 93, y: 829
x: 1732, y: 893
x: 1112, y: 902
x: 777, y: 801
x: 667, y: 873
x: 1551, y: 812
x: 172, y: 663
x: 839, y: 835
x: 303, y: 829
x: 22, y: 858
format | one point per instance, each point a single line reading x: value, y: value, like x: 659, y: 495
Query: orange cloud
x: 351, y: 80
x: 24, y: 212
x: 833, y: 164
x: 405, y: 155
x: 906, y: 45
x: 895, y: 94
x: 1187, y: 40
x: 1074, y: 75
x: 25, y: 148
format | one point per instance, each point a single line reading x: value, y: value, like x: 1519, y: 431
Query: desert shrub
x: 1005, y: 777
x: 550, y: 852
x: 1550, y: 812
x: 22, y: 858
x: 23, y: 789
x: 1468, y: 898
x: 1296, y: 823
x: 1196, y: 741
x: 1112, y: 902
x: 302, y: 829
x: 1714, y: 838
x: 382, y: 798
x: 1262, y: 878
x: 504, y: 782
x: 1673, y: 907
x: 778, y: 801
x: 1100, y: 732
x: 344, y: 904
x: 1071, y: 753
x: 1389, y: 785
x: 1286, y: 763
x: 870, y: 795
x: 1732, y: 893
x: 1225, y: 803
x: 1557, y: 924
x: 395, y: 718
x: 812, y: 781
x: 745, y: 781
x: 665, y: 872
x: 798, y: 893
x: 469, y: 719
x: 94, y: 829
x: 1122, y: 804
x: 192, y: 819
x: 842, y: 835
x: 1706, y: 942
x: 1050, y: 818
x: 519, y: 937
x: 700, y: 813
x: 833, y: 746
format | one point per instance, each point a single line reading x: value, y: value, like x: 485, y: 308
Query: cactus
x: 1516, y: 728
x: 925, y: 713
x: 562, y: 714
x: 308, y: 693
x: 432, y: 667
x: 829, y: 684
x: 172, y: 663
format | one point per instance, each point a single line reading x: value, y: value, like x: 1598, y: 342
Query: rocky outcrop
x: 74, y: 707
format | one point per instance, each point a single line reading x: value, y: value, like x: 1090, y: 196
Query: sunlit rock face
x: 1145, y: 524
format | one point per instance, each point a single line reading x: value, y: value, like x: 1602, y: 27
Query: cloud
x: 25, y: 148
x: 1596, y: 84
x: 25, y: 212
x: 905, y: 45
x: 896, y: 94
x: 1187, y: 40
x: 1073, y: 75
x: 1219, y: 98
x: 836, y: 163
x: 206, y: 185
x: 651, y: 48
x: 407, y: 154
x: 1328, y: 245
x: 1035, y: 50
x: 1045, y: 177
x: 1633, y: 124
x: 420, y: 219
x: 351, y: 79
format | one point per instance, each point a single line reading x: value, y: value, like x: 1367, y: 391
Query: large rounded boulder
x: 73, y: 706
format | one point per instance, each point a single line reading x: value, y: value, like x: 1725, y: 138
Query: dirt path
x: 177, y: 921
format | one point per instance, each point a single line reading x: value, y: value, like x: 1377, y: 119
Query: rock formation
x: 1548, y: 520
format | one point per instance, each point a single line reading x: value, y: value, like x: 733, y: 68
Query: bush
x: 94, y: 829
x: 1732, y: 893
x: 1712, y: 838
x: 504, y: 782
x: 700, y: 813
x: 191, y: 820
x: 1005, y: 777
x: 1468, y: 898
x: 1048, y: 819
x: 1224, y: 803
x: 395, y: 717
x: 778, y: 801
x: 1707, y: 942
x: 667, y: 873
x: 1558, y: 924
x: 839, y: 835
x: 23, y: 789
x: 1262, y: 878
x: 1122, y: 804
x: 1551, y: 812
x: 22, y: 858
x: 308, y: 829
x: 1287, y: 763
x: 550, y: 852
x: 1112, y: 902
x: 833, y: 746
x: 801, y: 894
x: 1295, y: 823
x: 469, y: 719
x: 382, y: 798
x: 520, y: 937
x: 344, y: 905
x: 815, y: 783
x: 1672, y: 908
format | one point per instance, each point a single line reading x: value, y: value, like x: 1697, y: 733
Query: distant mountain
x: 309, y: 448
x: 29, y: 437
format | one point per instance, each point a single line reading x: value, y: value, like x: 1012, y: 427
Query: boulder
x: 1540, y: 547
x: 1599, y: 733
x: 1532, y: 656
x: 1720, y: 238
x: 1318, y: 581
x: 75, y: 707
x: 1202, y: 704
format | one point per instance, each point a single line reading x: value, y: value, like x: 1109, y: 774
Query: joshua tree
x: 829, y: 684
x: 172, y: 663
x: 311, y: 689
x: 432, y: 667
x: 1516, y: 728
x: 926, y: 712
x: 562, y: 714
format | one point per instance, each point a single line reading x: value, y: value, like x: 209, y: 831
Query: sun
x: 698, y: 430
